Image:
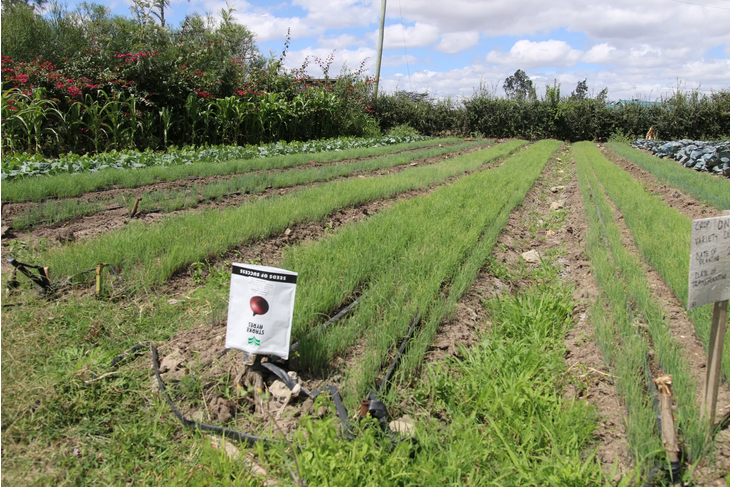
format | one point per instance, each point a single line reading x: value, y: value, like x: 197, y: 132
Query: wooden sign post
x: 709, y: 282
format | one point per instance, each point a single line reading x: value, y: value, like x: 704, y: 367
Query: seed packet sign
x: 709, y: 266
x: 260, y: 309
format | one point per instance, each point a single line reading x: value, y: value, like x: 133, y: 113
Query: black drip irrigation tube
x: 375, y: 407
x: 43, y: 281
x: 332, y: 320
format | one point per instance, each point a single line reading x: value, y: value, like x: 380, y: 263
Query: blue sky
x: 641, y: 49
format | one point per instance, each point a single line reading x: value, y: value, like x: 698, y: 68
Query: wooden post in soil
x: 134, y: 208
x: 99, y: 278
x: 714, y: 359
x: 669, y: 434
x: 708, y: 283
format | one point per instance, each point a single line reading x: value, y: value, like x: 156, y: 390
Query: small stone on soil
x: 225, y: 445
x: 531, y: 256
x: 404, y: 426
x: 279, y: 390
x: 556, y: 205
x: 172, y: 361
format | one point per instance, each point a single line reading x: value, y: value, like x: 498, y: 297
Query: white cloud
x: 419, y: 35
x: 403, y: 60
x: 458, y: 41
x: 350, y: 59
x: 340, y: 42
x: 529, y: 54
x: 338, y: 14
x: 599, y: 54
x: 630, y: 47
x: 622, y: 22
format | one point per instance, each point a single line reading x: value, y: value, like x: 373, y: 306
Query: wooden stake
x: 714, y: 356
x: 99, y: 278
x: 714, y: 360
x: 134, y: 208
x: 669, y: 436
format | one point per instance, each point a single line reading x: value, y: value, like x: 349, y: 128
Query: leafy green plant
x: 203, y: 161
x: 403, y: 129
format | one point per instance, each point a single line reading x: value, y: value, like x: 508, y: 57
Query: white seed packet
x: 260, y: 309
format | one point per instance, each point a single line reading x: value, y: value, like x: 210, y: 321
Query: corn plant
x: 166, y: 122
x: 73, y: 123
x: 94, y: 114
x: 29, y: 116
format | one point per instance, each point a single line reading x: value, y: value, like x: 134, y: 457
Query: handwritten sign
x: 709, y: 265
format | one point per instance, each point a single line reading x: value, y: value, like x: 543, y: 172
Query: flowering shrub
x: 203, y: 83
x: 127, y: 106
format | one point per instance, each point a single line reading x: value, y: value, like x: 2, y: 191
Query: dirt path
x: 539, y: 226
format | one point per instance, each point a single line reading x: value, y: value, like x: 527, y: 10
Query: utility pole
x: 380, y: 48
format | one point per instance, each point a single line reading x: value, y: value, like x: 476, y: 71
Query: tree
x: 552, y: 93
x: 519, y: 87
x: 581, y: 91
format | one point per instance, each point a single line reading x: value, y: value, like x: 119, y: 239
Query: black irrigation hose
x: 341, y: 412
x: 324, y: 325
x: 131, y: 352
x: 391, y: 370
x: 281, y: 374
x: 290, y: 383
x: 233, y: 435
x: 334, y: 392
x: 44, y: 283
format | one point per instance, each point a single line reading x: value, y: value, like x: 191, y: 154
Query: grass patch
x: 70, y: 185
x: 178, y: 199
